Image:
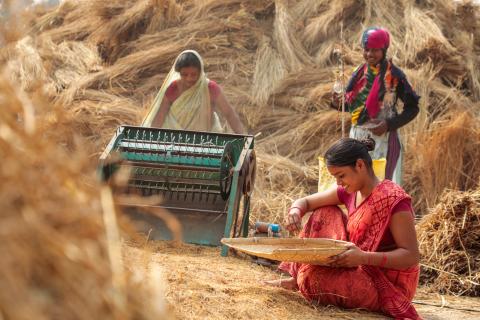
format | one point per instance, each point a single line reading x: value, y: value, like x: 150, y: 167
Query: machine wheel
x: 226, y: 171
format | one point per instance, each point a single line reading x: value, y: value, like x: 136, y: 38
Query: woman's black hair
x: 187, y: 59
x: 383, y: 70
x: 346, y: 152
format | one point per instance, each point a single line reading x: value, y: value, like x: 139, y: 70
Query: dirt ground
x: 200, y: 284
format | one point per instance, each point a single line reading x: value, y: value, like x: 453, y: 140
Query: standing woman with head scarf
x: 371, y: 98
x: 189, y: 100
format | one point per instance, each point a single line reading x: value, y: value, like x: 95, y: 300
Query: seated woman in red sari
x: 379, y: 271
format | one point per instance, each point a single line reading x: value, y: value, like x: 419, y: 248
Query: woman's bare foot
x: 289, y: 283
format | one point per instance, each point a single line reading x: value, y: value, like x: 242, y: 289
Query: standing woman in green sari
x: 188, y: 100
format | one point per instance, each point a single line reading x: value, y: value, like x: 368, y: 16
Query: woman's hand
x: 379, y: 127
x: 353, y: 257
x: 293, y: 220
x: 336, y: 100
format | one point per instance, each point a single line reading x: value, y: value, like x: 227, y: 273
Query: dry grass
x: 311, y: 133
x: 142, y: 17
x: 269, y: 72
x: 25, y: 65
x: 449, y: 241
x: 289, y: 46
x: 421, y: 31
x: 324, y: 25
x: 274, y: 60
x: 282, y: 182
x: 203, y: 285
x: 69, y: 22
x: 59, y: 235
x: 110, y: 111
x: 306, y: 90
x: 459, y: 166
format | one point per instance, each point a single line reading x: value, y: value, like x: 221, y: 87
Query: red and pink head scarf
x: 375, y: 38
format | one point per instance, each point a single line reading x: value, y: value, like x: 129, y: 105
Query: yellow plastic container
x: 326, y: 180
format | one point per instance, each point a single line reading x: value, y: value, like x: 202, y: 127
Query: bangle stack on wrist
x: 384, y: 260
x: 302, y: 212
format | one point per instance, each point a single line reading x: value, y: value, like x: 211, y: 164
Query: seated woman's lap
x: 326, y: 222
x: 349, y: 288
x: 343, y: 287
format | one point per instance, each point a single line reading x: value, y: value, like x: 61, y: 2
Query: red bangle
x: 300, y: 209
x: 384, y: 260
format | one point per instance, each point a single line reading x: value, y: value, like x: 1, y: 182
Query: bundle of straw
x: 449, y: 239
x: 281, y: 182
x: 59, y: 236
x: 435, y: 168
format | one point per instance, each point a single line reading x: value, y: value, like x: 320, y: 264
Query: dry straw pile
x: 449, y: 238
x: 101, y: 62
x: 59, y: 238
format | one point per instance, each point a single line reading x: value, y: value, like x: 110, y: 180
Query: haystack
x: 282, y: 181
x: 449, y: 240
x: 435, y: 166
x: 59, y: 236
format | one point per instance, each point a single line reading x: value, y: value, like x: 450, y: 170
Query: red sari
x: 377, y: 289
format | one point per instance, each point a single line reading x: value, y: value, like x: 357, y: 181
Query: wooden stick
x: 442, y: 305
x: 342, y: 72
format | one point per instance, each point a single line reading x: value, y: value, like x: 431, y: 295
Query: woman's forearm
x: 409, y: 113
x: 235, y: 122
x: 396, y: 259
x: 161, y: 114
x: 317, y: 200
x: 302, y: 204
x: 159, y: 119
x: 230, y: 114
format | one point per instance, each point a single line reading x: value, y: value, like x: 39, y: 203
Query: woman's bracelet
x: 369, y: 262
x: 299, y: 209
x: 384, y: 260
